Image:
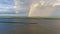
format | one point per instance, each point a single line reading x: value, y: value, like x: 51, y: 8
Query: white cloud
x: 45, y: 12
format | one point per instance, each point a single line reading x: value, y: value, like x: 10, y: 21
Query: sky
x: 8, y: 7
x: 38, y: 10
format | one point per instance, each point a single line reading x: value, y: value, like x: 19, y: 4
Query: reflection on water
x: 31, y: 26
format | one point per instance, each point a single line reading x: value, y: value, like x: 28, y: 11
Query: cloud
x: 37, y: 10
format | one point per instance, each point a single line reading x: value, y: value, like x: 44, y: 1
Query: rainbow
x: 41, y: 13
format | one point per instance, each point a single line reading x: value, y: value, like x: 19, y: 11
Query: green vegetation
x: 49, y: 18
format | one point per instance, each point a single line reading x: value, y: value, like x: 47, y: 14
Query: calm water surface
x: 29, y: 26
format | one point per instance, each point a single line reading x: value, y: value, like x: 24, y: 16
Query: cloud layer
x: 44, y: 9
x: 28, y: 7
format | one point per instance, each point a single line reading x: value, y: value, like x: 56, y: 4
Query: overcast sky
x: 24, y: 6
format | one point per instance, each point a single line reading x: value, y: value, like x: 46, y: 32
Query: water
x: 29, y: 26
